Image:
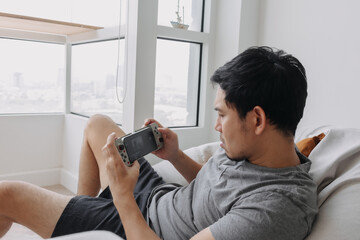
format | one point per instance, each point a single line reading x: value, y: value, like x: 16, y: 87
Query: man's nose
x: 217, y: 126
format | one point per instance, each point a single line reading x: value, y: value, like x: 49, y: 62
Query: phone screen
x: 139, y: 144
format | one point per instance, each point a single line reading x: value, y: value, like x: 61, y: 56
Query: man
x: 256, y: 186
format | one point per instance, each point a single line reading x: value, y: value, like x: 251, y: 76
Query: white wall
x: 31, y: 148
x: 73, y: 137
x: 324, y: 35
x: 236, y: 30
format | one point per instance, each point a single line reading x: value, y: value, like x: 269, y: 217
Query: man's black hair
x: 271, y: 79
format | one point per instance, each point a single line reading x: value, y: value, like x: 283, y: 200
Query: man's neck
x: 276, y: 152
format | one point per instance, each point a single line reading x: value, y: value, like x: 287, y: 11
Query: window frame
x: 147, y: 39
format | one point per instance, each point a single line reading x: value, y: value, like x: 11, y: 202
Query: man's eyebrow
x: 217, y: 109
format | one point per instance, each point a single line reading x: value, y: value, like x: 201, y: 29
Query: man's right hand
x: 170, y: 151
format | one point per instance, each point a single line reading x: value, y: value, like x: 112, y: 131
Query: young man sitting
x: 256, y: 186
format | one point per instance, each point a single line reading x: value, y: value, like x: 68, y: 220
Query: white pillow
x: 336, y: 170
x: 200, y: 154
x: 336, y: 161
x: 90, y: 235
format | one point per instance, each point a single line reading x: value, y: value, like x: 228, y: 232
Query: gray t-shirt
x: 238, y: 200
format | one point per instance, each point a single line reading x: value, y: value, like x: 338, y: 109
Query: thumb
x: 135, y: 168
x: 167, y: 133
x: 109, y: 147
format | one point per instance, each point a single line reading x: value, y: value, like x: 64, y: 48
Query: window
x: 32, y: 77
x: 177, y: 82
x: 178, y: 62
x: 164, y: 84
x: 93, y: 78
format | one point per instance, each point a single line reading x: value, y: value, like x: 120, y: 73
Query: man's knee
x: 9, y: 190
x: 99, y: 124
x: 96, y: 121
x: 5, y: 189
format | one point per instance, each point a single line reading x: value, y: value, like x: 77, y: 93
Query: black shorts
x: 84, y: 213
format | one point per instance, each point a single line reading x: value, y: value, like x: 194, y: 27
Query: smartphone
x: 140, y: 143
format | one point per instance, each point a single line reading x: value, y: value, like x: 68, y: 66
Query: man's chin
x: 222, y: 145
x: 233, y: 158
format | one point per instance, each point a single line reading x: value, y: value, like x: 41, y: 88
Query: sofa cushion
x: 90, y: 235
x: 200, y: 154
x: 336, y: 170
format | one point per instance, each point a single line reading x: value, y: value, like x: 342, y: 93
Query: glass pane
x: 32, y: 77
x: 181, y: 14
x: 103, y: 13
x: 93, y: 78
x: 177, y: 82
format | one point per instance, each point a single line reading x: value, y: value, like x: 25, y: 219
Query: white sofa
x: 335, y: 169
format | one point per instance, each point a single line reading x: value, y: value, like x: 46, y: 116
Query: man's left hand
x: 122, y: 179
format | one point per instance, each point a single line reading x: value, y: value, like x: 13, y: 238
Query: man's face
x: 232, y: 129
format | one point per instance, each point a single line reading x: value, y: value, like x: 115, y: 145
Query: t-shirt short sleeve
x: 264, y: 215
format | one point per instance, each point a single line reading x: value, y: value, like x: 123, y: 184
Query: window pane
x: 93, y: 84
x: 177, y: 82
x: 189, y: 13
x: 32, y: 77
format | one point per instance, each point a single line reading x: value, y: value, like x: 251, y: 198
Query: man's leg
x: 40, y: 209
x: 31, y: 206
x: 92, y: 172
x: 5, y: 225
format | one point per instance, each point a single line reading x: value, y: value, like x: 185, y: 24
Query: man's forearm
x: 132, y: 219
x: 186, y: 166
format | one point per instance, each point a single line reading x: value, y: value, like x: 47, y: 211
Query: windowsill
x: 26, y: 23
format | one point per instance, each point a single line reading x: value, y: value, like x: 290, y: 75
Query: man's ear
x: 259, y: 118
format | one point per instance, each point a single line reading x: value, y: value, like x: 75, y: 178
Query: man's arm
x: 122, y: 181
x: 135, y: 225
x: 171, y: 152
x: 133, y: 221
x: 186, y: 166
x: 205, y: 234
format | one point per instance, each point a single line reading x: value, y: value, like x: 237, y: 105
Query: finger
x: 159, y: 124
x: 111, y: 137
x: 110, y: 144
x: 148, y: 121
x: 166, y: 132
x: 111, y: 152
x: 151, y: 120
x: 135, y: 166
